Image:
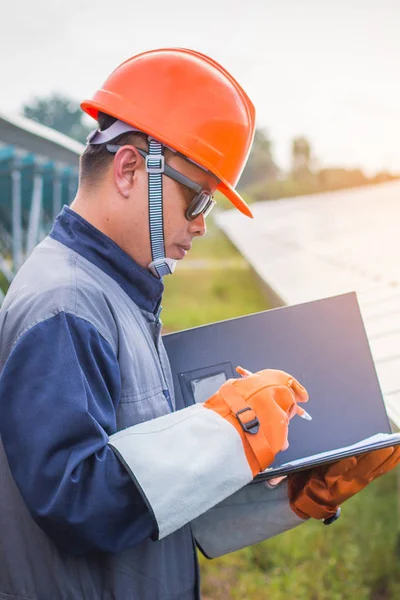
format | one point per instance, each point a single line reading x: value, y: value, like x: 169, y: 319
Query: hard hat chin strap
x: 160, y: 265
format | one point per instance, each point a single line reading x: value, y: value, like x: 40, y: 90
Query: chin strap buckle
x: 162, y: 266
x: 155, y: 163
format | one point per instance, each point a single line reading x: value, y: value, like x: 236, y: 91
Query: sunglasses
x: 202, y: 202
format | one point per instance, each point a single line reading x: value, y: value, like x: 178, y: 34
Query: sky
x: 328, y: 70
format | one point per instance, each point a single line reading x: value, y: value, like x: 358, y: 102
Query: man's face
x: 130, y: 206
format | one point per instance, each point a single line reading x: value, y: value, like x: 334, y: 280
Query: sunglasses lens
x: 209, y: 208
x: 202, y: 203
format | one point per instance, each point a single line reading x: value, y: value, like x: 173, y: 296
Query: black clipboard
x: 323, y: 344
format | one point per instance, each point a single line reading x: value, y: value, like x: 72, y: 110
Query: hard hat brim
x: 229, y: 192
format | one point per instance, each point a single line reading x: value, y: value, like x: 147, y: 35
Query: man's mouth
x: 183, y: 249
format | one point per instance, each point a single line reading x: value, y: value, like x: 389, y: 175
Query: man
x: 101, y: 478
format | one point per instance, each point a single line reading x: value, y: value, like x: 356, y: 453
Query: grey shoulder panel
x: 56, y: 279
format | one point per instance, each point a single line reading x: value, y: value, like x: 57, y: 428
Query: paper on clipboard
x: 375, y: 442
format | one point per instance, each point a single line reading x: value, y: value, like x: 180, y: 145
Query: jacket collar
x: 76, y: 233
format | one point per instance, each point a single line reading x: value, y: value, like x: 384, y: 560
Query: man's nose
x: 198, y: 226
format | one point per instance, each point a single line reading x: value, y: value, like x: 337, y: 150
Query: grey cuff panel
x: 251, y: 515
x: 184, y: 462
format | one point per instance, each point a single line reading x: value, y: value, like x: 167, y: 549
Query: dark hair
x: 96, y: 158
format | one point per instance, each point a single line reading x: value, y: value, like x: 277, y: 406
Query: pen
x: 299, y: 410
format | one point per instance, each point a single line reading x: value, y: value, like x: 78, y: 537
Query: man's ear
x: 126, y: 161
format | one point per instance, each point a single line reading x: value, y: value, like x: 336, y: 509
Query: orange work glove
x: 259, y: 407
x: 317, y: 493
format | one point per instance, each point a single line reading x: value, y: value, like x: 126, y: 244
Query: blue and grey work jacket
x: 101, y: 480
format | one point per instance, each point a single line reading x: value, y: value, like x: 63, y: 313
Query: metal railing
x: 32, y: 192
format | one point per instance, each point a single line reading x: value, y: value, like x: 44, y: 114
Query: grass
x: 355, y: 558
x: 212, y: 283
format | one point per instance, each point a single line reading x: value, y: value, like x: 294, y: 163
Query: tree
x: 60, y: 113
x: 301, y: 157
x: 261, y: 166
x: 335, y: 178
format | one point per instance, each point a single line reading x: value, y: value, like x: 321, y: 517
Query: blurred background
x: 323, y: 179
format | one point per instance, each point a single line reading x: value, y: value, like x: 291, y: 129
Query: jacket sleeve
x: 87, y: 485
x: 59, y: 391
x: 255, y: 513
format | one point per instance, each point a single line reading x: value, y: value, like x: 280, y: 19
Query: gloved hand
x: 260, y: 407
x: 318, y: 493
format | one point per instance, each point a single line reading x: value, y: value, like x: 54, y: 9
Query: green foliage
x: 301, y: 157
x: 4, y: 283
x: 332, y: 179
x: 275, y: 189
x: 60, y: 113
x: 204, y: 295
x: 354, y: 559
x: 262, y: 180
x: 313, y: 183
x: 212, y: 283
x: 261, y: 165
x: 384, y: 176
x: 224, y: 204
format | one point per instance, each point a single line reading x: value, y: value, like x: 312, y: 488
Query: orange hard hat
x: 188, y: 102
